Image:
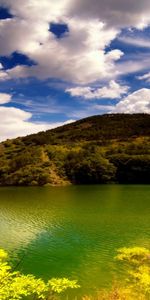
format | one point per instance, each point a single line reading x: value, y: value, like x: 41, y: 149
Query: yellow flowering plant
x: 16, y: 286
x: 59, y: 285
x: 137, y: 262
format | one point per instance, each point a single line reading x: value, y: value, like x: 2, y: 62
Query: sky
x: 64, y: 60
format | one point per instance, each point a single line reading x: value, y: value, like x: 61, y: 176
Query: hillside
x: 98, y: 149
x: 95, y: 128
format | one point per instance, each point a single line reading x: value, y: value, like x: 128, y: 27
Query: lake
x: 73, y: 231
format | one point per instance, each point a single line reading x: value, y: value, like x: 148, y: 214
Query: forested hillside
x: 98, y: 149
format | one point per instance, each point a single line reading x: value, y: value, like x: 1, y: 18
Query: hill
x: 98, y: 149
x: 104, y: 127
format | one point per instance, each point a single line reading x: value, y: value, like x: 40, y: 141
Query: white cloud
x: 116, y: 13
x: 137, y: 102
x: 3, y: 74
x: 22, y: 35
x: 35, y: 9
x: 4, y: 98
x: 79, y: 57
x: 135, y: 41
x: 16, y: 122
x: 135, y: 62
x: 144, y: 77
x: 113, y: 91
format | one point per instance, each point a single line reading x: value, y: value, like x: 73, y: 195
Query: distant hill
x: 98, y: 149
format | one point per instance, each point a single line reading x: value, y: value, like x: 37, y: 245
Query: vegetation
x: 99, y: 149
x: 136, y: 283
x: 16, y: 286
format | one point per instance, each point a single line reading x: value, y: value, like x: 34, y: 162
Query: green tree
x: 88, y: 167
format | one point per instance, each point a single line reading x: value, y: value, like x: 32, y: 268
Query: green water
x: 73, y: 231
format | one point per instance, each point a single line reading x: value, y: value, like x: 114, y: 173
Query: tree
x: 89, y: 168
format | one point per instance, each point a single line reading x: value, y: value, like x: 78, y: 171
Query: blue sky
x: 65, y: 60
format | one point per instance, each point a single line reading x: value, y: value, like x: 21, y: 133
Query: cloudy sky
x: 64, y: 60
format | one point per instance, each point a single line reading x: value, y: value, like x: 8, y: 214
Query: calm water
x: 73, y: 231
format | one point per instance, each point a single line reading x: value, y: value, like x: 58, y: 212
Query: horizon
x: 65, y: 61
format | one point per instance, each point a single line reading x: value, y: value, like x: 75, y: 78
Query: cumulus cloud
x: 116, y: 13
x: 82, y: 56
x: 137, y: 102
x: 21, y: 35
x: 112, y: 91
x: 79, y: 57
x: 4, y: 98
x: 16, y: 122
x: 113, y: 12
x: 35, y: 9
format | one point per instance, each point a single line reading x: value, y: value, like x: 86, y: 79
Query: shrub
x: 16, y: 286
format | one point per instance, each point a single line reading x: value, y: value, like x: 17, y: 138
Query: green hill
x: 98, y: 149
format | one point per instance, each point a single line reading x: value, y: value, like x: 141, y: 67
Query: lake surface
x: 73, y: 231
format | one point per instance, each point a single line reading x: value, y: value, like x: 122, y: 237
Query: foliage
x: 116, y: 293
x: 135, y: 256
x: 16, y: 286
x: 59, y: 285
x: 136, y: 284
x: 89, y: 167
x: 137, y: 262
